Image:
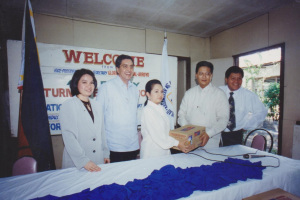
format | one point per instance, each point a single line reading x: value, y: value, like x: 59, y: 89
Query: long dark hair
x: 149, y: 86
x: 76, y: 77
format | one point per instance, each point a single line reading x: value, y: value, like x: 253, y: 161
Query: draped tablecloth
x: 70, y: 181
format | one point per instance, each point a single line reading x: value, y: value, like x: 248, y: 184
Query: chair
x: 24, y: 165
x: 259, y: 141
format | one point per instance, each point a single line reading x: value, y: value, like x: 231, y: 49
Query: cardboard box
x: 188, y: 132
x: 276, y: 194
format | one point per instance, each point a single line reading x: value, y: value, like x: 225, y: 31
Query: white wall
x: 220, y: 67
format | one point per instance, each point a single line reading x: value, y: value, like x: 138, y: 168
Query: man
x: 248, y: 112
x: 119, y: 99
x: 205, y: 105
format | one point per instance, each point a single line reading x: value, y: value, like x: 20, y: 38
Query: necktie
x: 231, y: 123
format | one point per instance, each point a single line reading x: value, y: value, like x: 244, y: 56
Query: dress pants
x: 232, y: 138
x: 123, y: 156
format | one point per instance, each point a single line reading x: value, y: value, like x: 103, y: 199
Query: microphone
x: 248, y: 156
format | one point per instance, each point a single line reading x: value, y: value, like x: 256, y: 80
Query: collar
x: 120, y: 82
x: 207, y: 88
x: 234, y: 92
x: 157, y: 107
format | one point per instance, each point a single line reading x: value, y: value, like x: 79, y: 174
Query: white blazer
x: 155, y: 128
x: 84, y: 139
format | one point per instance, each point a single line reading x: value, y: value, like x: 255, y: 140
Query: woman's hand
x: 106, y: 160
x: 92, y: 167
x: 184, y: 146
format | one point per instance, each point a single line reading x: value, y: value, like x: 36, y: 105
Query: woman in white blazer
x: 155, y: 125
x: 82, y: 125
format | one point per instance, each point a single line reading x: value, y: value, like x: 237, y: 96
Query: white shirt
x: 155, y: 128
x: 119, y: 105
x: 250, y: 112
x: 207, y: 107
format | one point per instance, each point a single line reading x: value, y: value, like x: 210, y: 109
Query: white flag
x: 166, y: 83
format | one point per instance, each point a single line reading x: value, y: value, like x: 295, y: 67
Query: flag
x: 34, y: 118
x: 166, y: 83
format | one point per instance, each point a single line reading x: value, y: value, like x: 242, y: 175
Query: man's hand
x: 92, y: 167
x: 106, y: 160
x: 184, y: 146
x: 204, y: 139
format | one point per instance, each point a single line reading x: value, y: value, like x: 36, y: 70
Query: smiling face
x: 156, y: 95
x: 125, y: 71
x: 85, y: 86
x: 234, y: 81
x: 203, y: 76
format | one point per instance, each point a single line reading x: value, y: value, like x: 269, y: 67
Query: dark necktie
x: 231, y: 123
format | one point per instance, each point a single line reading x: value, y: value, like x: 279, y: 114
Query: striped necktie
x: 231, y: 124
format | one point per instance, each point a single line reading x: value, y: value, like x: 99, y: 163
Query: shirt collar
x: 155, y: 106
x: 207, y: 88
x: 236, y: 91
x: 122, y: 83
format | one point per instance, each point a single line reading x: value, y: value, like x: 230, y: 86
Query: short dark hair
x: 234, y: 69
x: 205, y: 64
x: 77, y: 76
x: 149, y: 86
x: 122, y: 57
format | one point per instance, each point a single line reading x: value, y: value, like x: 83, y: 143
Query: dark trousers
x: 123, y: 156
x: 232, y: 138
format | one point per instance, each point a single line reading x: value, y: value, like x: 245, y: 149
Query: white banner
x: 58, y: 63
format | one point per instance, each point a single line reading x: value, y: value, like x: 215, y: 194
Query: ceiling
x: 202, y: 18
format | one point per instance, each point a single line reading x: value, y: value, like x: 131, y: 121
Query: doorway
x: 183, y: 79
x: 264, y: 75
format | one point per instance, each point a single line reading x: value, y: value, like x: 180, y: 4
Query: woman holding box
x: 155, y: 125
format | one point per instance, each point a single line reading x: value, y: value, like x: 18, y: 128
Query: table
x: 68, y: 181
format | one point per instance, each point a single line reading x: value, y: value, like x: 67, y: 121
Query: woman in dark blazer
x: 82, y: 125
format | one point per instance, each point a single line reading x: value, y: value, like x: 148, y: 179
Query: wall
x: 280, y: 25
x: 57, y: 30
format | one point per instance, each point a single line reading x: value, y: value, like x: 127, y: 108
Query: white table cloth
x: 68, y: 181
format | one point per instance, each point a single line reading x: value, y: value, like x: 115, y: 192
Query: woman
x: 82, y: 125
x: 155, y: 125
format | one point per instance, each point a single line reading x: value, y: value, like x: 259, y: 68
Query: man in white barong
x: 205, y: 105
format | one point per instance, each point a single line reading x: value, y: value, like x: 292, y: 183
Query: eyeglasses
x: 127, y: 66
x: 204, y: 74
